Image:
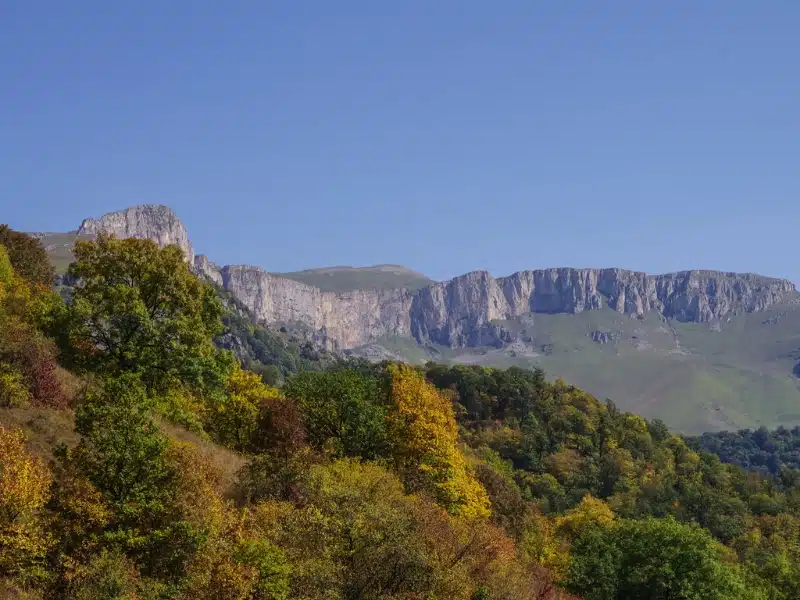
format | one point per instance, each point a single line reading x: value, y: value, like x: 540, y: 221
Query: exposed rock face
x: 151, y: 221
x: 604, y: 337
x: 463, y: 311
x: 203, y: 266
x: 345, y: 319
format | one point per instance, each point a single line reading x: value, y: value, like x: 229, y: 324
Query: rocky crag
x: 158, y: 223
x: 464, y: 311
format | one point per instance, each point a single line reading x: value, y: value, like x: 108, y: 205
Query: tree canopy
x: 137, y: 308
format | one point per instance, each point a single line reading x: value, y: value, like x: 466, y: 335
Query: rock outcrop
x: 151, y: 221
x: 464, y: 311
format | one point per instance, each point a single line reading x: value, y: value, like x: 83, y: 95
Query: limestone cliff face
x: 463, y: 311
x: 344, y: 320
x: 460, y: 312
x: 157, y: 223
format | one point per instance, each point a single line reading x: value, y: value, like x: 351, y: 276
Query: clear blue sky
x: 444, y: 135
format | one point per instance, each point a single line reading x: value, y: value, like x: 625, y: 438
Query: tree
x: 232, y: 417
x: 126, y: 458
x: 27, y: 358
x: 24, y: 488
x: 137, y: 308
x: 28, y: 256
x: 653, y: 559
x: 121, y: 451
x: 343, y: 412
x: 424, y: 434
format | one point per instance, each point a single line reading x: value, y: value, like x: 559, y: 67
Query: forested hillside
x: 757, y: 450
x: 352, y: 480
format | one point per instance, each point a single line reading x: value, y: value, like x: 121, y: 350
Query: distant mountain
x: 704, y: 350
x: 348, y: 279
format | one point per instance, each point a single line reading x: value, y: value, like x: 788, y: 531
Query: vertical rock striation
x: 151, y: 221
x: 463, y: 311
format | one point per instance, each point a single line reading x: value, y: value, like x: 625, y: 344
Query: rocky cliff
x: 463, y: 311
x: 158, y: 223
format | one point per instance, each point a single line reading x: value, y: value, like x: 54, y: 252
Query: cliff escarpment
x: 151, y: 221
x: 462, y: 311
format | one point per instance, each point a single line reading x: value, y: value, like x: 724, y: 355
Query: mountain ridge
x: 458, y: 312
x: 686, y: 346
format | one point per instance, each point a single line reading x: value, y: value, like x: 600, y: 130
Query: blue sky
x: 444, y: 135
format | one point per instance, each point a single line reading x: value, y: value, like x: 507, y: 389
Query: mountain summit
x: 151, y: 221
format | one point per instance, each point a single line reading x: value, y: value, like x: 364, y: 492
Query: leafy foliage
x: 757, y: 450
x: 137, y: 308
x: 28, y: 256
x: 654, y: 559
x: 360, y: 481
x: 425, y: 442
x: 24, y: 485
x: 27, y: 358
x: 345, y: 412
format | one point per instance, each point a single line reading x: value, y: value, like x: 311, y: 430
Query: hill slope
x: 704, y: 350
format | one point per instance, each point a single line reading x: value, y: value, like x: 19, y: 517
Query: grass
x: 47, y: 428
x: 690, y: 375
x: 59, y: 248
x: 347, y: 279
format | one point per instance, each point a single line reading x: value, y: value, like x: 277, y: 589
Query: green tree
x: 28, y: 256
x: 121, y: 451
x: 137, y: 308
x: 654, y: 559
x: 343, y: 412
x: 125, y: 456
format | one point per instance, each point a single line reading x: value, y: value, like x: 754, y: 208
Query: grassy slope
x: 345, y: 279
x: 46, y: 428
x: 695, y: 378
x: 59, y: 248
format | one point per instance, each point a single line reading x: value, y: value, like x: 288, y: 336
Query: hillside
x: 696, y: 376
x: 138, y: 459
x: 703, y: 350
x: 59, y: 248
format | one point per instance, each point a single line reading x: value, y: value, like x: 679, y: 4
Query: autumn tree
x: 232, y: 417
x: 424, y: 435
x: 28, y: 256
x: 137, y: 308
x: 27, y: 359
x: 24, y: 488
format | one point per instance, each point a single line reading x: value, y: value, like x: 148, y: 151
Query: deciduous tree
x: 424, y: 434
x: 137, y: 308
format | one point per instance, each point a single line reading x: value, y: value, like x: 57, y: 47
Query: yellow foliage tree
x: 423, y: 428
x: 590, y: 512
x: 233, y: 416
x: 24, y: 487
